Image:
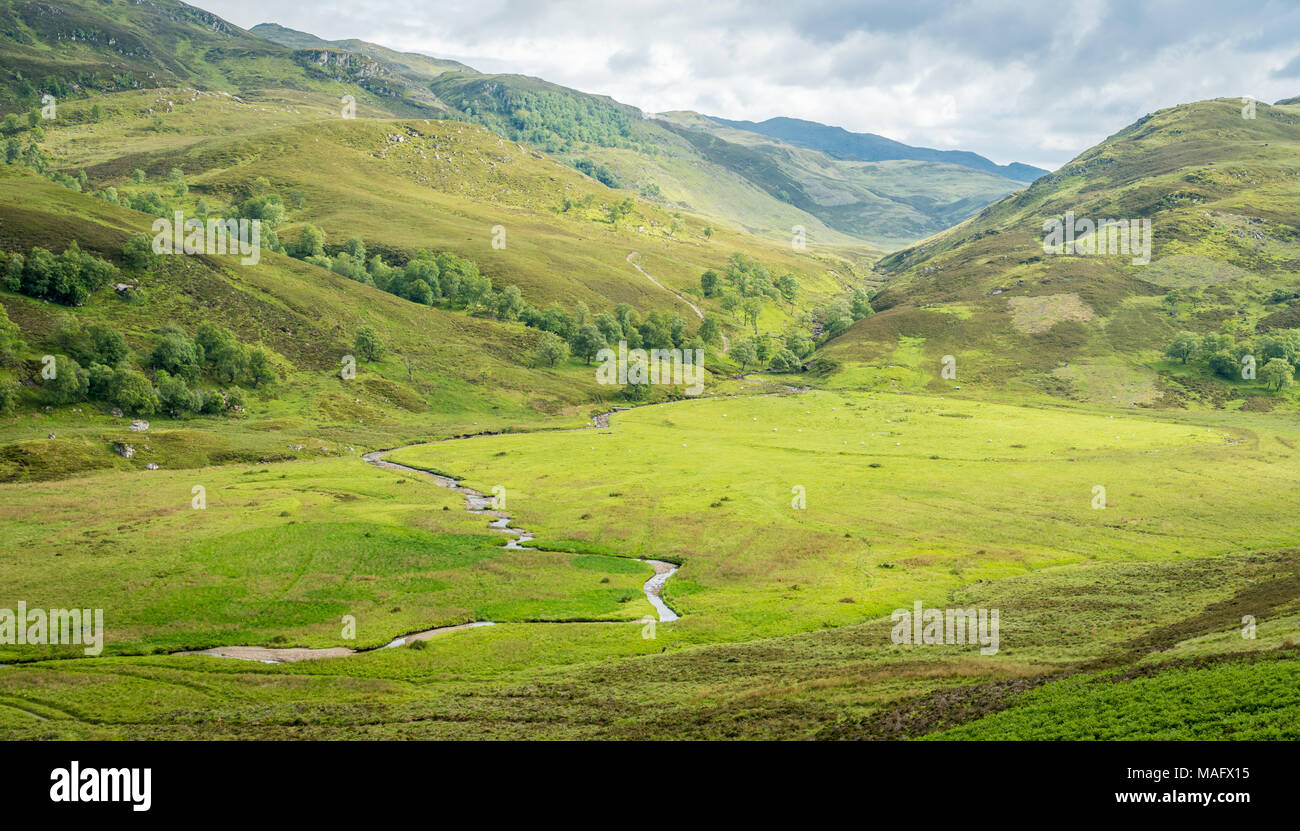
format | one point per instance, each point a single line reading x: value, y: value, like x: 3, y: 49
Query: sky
x: 1034, y: 82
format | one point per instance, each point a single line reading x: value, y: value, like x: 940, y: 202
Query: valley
x: 372, y: 483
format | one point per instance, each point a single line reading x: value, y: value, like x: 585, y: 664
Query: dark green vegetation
x: 446, y: 263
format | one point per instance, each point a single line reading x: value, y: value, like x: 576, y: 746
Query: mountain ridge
x: 838, y: 142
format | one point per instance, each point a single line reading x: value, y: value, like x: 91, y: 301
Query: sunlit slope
x: 76, y: 47
x: 1220, y: 192
x: 444, y: 371
x: 439, y: 185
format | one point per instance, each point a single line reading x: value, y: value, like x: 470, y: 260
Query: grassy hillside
x: 81, y: 47
x: 1220, y: 194
x: 431, y: 382
x: 402, y: 185
x: 890, y: 202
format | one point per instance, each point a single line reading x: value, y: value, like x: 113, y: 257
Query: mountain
x: 1219, y: 192
x: 766, y: 187
x: 869, y: 147
x: 422, y: 66
x: 889, y: 203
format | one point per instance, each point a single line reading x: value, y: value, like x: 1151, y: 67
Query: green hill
x: 1220, y: 194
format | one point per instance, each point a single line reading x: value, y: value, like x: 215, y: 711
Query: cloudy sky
x: 1033, y: 82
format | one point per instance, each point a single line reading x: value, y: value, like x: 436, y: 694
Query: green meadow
x: 784, y: 628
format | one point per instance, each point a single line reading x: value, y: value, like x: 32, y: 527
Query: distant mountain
x: 869, y: 147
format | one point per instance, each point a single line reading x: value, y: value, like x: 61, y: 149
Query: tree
x: 1224, y: 364
x: 8, y: 397
x: 551, y: 349
x: 619, y: 211
x: 860, y: 305
x: 587, y: 341
x: 10, y: 343
x: 270, y: 210
x: 1277, y: 373
x: 743, y: 354
x: 105, y: 345
x: 70, y: 382
x: 368, y: 345
x: 1183, y: 347
x: 751, y: 308
x: 311, y: 242
x: 609, y: 327
x: 177, y: 354
x: 785, y: 361
x: 710, y: 332
x: 356, y: 248
x: 138, y: 254
x: 133, y: 393
x: 788, y: 285
x: 261, y: 367
x: 174, y: 395
x: 509, y: 303
x: 709, y: 283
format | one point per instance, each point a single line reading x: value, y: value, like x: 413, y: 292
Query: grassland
x: 784, y: 628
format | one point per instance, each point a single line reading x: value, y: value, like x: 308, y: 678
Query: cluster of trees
x: 785, y: 354
x: 95, y: 362
x: 745, y: 284
x: 839, y: 315
x: 443, y: 279
x: 555, y: 121
x: 583, y: 334
x: 11, y: 348
x: 68, y: 278
x: 1276, y: 355
x: 598, y: 172
x: 747, y: 277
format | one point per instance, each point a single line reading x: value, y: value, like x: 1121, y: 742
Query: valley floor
x: 1164, y: 606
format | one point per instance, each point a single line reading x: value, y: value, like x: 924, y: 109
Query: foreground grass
x: 769, y: 644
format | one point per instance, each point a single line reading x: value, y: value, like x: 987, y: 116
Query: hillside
x: 890, y: 202
x: 886, y: 199
x: 1220, y: 194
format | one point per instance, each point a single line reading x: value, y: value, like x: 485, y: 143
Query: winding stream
x: 475, y: 503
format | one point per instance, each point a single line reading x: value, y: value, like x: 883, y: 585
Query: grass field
x: 785, y: 626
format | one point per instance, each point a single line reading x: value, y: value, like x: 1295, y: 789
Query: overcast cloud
x: 1015, y: 81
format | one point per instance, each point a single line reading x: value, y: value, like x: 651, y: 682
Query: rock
x: 51, y: 435
x: 139, y: 426
x: 117, y: 413
x: 295, y: 446
x: 126, y: 451
x: 151, y: 466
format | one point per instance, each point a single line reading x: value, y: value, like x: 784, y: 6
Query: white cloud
x: 1016, y: 81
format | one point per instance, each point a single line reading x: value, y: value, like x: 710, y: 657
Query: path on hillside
x: 726, y: 343
x: 475, y: 503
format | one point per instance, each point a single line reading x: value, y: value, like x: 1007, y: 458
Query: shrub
x: 368, y: 345
x: 70, y: 382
